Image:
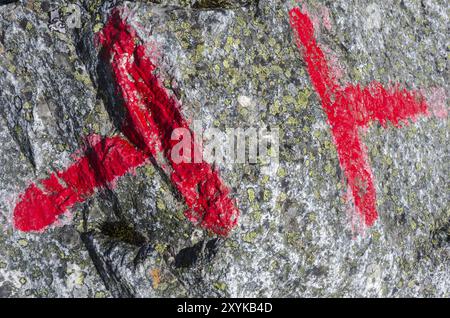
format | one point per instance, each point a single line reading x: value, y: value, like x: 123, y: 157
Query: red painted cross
x: 152, y: 116
x: 351, y: 107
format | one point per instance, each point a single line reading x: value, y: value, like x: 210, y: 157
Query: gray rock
x: 235, y: 64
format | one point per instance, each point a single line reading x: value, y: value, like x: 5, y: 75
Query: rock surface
x: 231, y: 64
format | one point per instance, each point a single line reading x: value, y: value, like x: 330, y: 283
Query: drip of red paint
x: 351, y: 107
x: 40, y: 206
x: 152, y: 115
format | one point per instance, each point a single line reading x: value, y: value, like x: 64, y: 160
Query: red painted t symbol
x: 351, y: 107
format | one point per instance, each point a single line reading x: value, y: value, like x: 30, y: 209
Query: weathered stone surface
x: 232, y: 64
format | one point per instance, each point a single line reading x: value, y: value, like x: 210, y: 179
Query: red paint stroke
x: 40, y: 205
x: 152, y: 115
x: 350, y: 108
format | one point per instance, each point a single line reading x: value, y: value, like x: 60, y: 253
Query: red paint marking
x: 351, y: 107
x: 152, y: 116
x: 103, y: 162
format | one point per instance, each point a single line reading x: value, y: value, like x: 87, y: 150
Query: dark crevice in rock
x: 142, y: 254
x: 107, y: 91
x: 189, y: 264
x: 106, y: 268
x: 441, y: 236
x: 188, y: 257
x: 123, y: 232
x: 118, y: 226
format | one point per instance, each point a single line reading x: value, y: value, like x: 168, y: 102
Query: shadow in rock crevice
x: 117, y: 232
